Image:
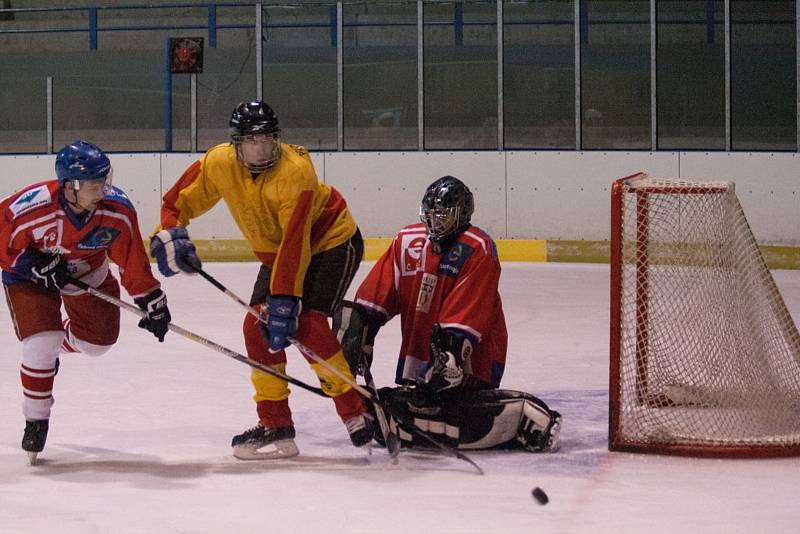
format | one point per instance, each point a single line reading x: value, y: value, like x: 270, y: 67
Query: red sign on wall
x: 186, y: 55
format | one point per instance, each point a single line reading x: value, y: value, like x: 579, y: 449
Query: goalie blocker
x: 462, y: 417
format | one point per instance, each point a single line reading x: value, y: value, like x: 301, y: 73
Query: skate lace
x: 257, y: 430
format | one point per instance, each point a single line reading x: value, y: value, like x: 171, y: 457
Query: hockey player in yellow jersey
x: 309, y: 247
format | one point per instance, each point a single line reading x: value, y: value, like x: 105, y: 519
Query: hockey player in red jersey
x: 441, y: 276
x: 61, y: 229
x: 309, y: 246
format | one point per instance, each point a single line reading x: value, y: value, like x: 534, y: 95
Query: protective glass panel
x: 460, y: 77
x: 763, y: 75
x: 299, y: 68
x: 539, y: 74
x: 615, y: 74
x: 691, y: 94
x: 380, y: 76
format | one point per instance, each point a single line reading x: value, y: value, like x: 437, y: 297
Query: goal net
x: 705, y: 358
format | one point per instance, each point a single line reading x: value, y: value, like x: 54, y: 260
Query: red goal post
x: 704, y: 355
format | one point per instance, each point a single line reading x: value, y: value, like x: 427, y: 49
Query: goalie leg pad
x: 476, y: 419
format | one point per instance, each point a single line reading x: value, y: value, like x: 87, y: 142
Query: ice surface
x: 139, y: 438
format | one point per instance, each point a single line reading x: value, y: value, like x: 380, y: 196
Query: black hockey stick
x: 374, y: 398
x: 199, y: 339
x: 389, y: 437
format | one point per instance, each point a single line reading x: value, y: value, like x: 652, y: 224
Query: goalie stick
x: 199, y: 339
x: 379, y: 406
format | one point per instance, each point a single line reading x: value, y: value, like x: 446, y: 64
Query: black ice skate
x: 34, y: 438
x: 361, y: 429
x: 262, y: 443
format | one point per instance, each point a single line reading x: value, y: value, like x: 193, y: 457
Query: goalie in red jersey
x: 441, y: 276
x: 61, y: 229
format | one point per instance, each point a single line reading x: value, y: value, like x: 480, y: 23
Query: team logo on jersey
x: 451, y: 264
x: 427, y: 288
x: 38, y: 196
x: 49, y: 235
x: 412, y: 253
x: 101, y: 237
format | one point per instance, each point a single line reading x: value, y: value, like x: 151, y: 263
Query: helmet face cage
x: 84, y: 162
x: 446, y: 207
x: 256, y: 135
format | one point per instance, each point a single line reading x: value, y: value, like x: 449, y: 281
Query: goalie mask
x: 446, y: 209
x: 256, y: 135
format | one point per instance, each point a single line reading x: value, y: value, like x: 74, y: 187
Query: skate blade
x: 33, y: 458
x: 272, y: 451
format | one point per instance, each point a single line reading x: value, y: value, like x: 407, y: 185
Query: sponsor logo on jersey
x: 453, y: 261
x: 36, y: 197
x: 427, y: 287
x: 100, y: 237
x: 413, y: 246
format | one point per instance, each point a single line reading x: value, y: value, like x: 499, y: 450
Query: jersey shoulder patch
x: 118, y: 195
x: 453, y: 260
x: 31, y: 199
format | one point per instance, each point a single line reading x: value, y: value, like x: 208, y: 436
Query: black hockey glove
x: 158, y: 316
x: 450, y: 348
x: 47, y: 270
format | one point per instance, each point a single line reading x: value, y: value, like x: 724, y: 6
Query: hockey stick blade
x: 450, y: 450
x: 389, y: 437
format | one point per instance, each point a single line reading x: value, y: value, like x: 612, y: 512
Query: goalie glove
x: 356, y: 328
x: 450, y: 347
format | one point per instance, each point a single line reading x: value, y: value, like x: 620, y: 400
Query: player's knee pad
x: 89, y: 349
x: 40, y: 351
x: 329, y: 381
x: 268, y: 387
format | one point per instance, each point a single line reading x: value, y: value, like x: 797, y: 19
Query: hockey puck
x: 540, y: 496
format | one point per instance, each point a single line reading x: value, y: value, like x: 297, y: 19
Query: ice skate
x: 34, y: 438
x: 361, y: 429
x: 262, y: 443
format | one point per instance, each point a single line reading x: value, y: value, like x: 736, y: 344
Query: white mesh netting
x: 708, y: 353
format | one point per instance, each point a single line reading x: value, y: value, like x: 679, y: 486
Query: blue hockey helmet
x: 79, y: 161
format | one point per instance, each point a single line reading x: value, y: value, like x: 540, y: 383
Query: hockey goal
x: 705, y: 357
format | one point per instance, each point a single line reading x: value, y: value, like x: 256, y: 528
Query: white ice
x: 139, y: 439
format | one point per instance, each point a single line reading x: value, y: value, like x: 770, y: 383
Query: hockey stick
x: 374, y: 398
x: 390, y: 438
x: 199, y: 339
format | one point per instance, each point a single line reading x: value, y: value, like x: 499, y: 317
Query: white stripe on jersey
x: 463, y: 327
x: 478, y: 238
x: 22, y: 227
x: 115, y: 215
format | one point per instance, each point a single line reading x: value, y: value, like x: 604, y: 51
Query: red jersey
x: 39, y: 217
x: 457, y: 289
